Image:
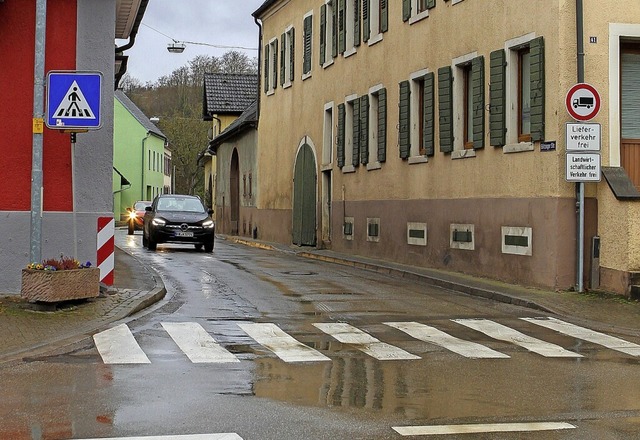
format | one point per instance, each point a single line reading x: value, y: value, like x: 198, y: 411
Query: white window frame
x: 415, y: 17
x: 458, y: 66
x: 375, y: 34
x: 287, y: 57
x: 328, y: 35
x: 455, y: 2
x: 328, y: 134
x: 310, y: 72
x: 373, y: 163
x: 348, y: 134
x: 416, y: 115
x: 273, y: 48
x: 349, y: 35
x: 511, y: 50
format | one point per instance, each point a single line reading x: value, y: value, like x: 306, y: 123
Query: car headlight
x: 158, y: 222
x: 208, y: 224
x: 132, y: 215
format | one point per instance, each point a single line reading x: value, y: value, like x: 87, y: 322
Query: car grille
x: 184, y: 227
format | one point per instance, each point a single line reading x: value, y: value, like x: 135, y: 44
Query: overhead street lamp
x: 180, y: 46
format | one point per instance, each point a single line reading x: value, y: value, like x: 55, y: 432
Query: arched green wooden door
x: 304, y: 198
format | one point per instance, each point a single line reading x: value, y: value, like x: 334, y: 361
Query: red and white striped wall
x: 106, y: 247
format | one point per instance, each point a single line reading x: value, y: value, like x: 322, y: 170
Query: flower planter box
x: 60, y: 285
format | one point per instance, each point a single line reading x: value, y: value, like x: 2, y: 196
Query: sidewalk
x: 27, y: 333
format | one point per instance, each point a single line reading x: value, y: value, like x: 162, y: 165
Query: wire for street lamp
x: 178, y: 46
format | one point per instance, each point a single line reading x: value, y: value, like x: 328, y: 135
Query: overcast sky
x: 215, y: 22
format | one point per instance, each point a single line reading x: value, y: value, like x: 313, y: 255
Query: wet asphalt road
x: 351, y: 395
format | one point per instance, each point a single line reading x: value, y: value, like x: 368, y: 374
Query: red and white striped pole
x: 106, y: 249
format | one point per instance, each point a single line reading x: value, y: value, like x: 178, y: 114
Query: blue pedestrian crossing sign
x: 73, y: 100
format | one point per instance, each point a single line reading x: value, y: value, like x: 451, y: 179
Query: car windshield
x: 180, y: 204
x: 139, y: 206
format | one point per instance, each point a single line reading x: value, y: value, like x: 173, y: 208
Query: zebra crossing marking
x: 432, y: 335
x: 481, y: 428
x: 197, y: 344
x: 224, y: 436
x: 585, y: 334
x: 281, y: 344
x: 118, y: 346
x: 507, y: 334
x: 366, y: 343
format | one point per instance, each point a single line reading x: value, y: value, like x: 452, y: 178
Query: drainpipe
x: 580, y: 185
x: 142, y: 184
x: 259, y: 24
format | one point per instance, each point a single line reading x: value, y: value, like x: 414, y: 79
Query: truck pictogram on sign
x: 583, y: 102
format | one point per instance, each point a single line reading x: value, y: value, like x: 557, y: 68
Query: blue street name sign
x: 73, y: 100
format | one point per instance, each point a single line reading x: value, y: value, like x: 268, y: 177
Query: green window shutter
x: 384, y: 16
x: 356, y: 22
x: 536, y: 54
x: 334, y: 30
x: 364, y: 129
x: 477, y: 83
x: 283, y: 61
x: 342, y: 27
x: 429, y: 115
x: 292, y: 51
x: 431, y: 4
x: 323, y: 33
x: 266, y: 68
x: 404, y: 120
x: 497, y: 98
x: 406, y: 10
x: 275, y: 63
x: 355, y: 140
x: 341, y: 131
x: 445, y: 104
x: 308, y: 38
x: 382, y: 125
x: 366, y: 31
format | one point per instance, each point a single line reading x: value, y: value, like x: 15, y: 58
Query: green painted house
x: 139, y: 150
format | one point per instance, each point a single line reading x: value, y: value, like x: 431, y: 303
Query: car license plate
x: 184, y: 234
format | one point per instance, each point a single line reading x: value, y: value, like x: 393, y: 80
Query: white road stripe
x: 475, y: 429
x: 504, y: 333
x: 281, y: 344
x: 177, y: 437
x: 118, y: 346
x: 432, y: 335
x: 366, y: 343
x: 587, y: 335
x: 197, y: 344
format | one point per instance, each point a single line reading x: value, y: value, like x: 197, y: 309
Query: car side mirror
x: 148, y: 208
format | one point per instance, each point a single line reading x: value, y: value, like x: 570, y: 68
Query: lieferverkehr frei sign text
x: 583, y: 167
x: 583, y: 137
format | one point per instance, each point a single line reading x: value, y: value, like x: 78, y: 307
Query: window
x: 416, y: 10
x: 377, y: 144
x: 417, y: 117
x: 630, y: 110
x: 349, y: 28
x: 348, y: 144
x: 328, y: 136
x: 328, y: 33
x: 468, y: 108
x: 375, y: 20
x: 307, y: 41
x: 287, y: 54
x: 517, y: 82
x: 271, y: 66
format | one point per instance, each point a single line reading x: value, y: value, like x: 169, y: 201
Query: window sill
x: 348, y: 169
x: 326, y: 167
x: 349, y: 52
x: 271, y: 92
x: 306, y: 76
x: 328, y: 63
x: 374, y: 166
x: 286, y: 85
x: 418, y: 159
x: 374, y: 39
x: 462, y: 154
x: 419, y: 17
x: 518, y: 148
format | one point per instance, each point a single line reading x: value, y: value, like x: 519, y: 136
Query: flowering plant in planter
x: 60, y: 279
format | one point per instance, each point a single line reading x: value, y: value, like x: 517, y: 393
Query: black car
x: 178, y: 219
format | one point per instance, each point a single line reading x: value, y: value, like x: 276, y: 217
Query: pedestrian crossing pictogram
x: 119, y: 346
x: 74, y: 105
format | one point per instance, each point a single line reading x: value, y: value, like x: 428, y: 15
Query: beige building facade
x: 433, y: 133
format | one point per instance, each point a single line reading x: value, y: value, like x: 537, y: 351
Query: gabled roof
x: 137, y: 113
x: 248, y: 119
x: 228, y: 93
x: 266, y: 5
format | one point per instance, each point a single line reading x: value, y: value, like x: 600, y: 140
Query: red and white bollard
x: 106, y: 249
